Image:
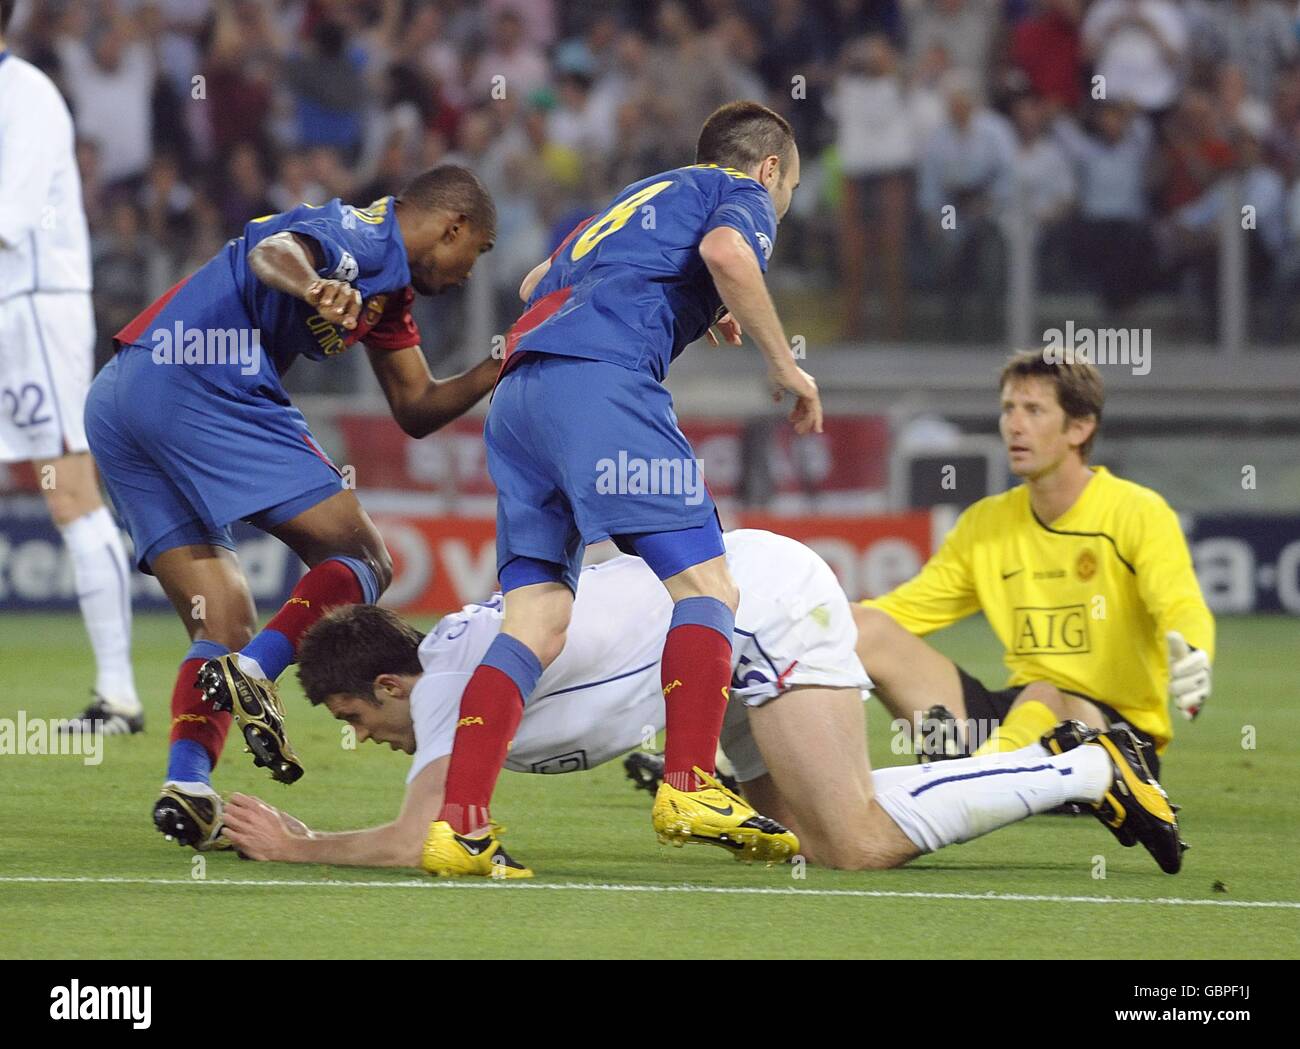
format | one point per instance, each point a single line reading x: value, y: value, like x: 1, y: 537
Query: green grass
x: 62, y: 819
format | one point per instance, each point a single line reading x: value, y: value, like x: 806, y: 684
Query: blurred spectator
x: 329, y: 89
x: 294, y: 184
x: 965, y: 181
x: 1197, y: 228
x: 520, y: 65
x: 796, y: 44
x: 109, y: 78
x: 1140, y: 47
x: 238, y: 71
x: 687, y: 81
x: 1195, y: 153
x: 854, y: 18
x: 877, y: 154
x: 244, y: 192
x: 166, y: 201
x: 1045, y: 47
x: 1258, y: 36
x: 423, y: 43
x: 1044, y: 180
x: 576, y: 123
x: 1237, y: 107
x: 965, y: 29
x: 1115, y: 246
x: 129, y: 271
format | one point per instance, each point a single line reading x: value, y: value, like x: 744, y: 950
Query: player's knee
x: 548, y: 644
x: 232, y: 635
x: 1048, y: 695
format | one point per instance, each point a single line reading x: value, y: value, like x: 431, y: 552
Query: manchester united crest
x: 1086, y: 566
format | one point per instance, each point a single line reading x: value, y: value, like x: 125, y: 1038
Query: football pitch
x: 83, y: 874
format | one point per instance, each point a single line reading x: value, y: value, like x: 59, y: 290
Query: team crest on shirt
x: 1086, y: 565
x: 764, y: 242
x: 347, y: 268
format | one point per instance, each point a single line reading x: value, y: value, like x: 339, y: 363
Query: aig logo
x: 1059, y: 631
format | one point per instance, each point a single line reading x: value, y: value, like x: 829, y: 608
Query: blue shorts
x: 584, y: 450
x: 183, y: 460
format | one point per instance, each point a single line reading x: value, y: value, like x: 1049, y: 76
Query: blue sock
x: 272, y: 650
x: 188, y: 762
x: 516, y: 660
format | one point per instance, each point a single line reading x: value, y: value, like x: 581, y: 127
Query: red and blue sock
x: 490, y: 711
x: 695, y: 673
x: 335, y: 581
x: 198, y: 732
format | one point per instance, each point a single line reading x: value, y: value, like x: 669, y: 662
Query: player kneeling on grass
x: 794, y: 728
x: 1085, y: 579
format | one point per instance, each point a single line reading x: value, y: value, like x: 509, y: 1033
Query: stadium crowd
x: 1111, y: 124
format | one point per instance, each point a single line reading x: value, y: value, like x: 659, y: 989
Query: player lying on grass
x: 193, y: 430
x: 582, y: 386
x: 1085, y: 578
x: 794, y: 728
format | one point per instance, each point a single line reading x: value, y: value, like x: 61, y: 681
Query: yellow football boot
x: 451, y: 855
x: 718, y: 816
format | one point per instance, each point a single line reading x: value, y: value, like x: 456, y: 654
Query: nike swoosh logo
x: 474, y: 848
x: 721, y: 812
x: 1008, y: 575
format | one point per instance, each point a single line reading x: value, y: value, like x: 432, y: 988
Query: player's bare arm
x: 739, y: 280
x: 262, y: 832
x: 419, y: 402
x: 287, y: 262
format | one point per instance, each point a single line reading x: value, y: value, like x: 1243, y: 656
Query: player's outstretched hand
x: 807, y: 413
x: 335, y: 300
x: 261, y: 831
x: 729, y: 328
x: 1189, y: 675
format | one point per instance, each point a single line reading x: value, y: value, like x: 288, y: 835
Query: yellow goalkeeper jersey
x: 1083, y: 602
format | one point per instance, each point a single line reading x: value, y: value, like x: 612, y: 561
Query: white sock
x: 895, y: 775
x: 250, y: 666
x: 102, y: 572
x: 955, y: 801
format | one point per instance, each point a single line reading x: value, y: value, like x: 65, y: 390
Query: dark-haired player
x: 581, y: 390
x: 794, y: 730
x: 193, y: 430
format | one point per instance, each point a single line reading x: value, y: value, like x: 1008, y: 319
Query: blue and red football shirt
x: 629, y: 285
x: 362, y: 246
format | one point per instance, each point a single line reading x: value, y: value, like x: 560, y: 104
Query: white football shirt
x: 44, y: 243
x: 602, y: 697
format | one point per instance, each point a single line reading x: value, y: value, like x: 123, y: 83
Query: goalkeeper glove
x: 1189, y: 675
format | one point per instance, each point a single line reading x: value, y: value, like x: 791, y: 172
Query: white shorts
x: 806, y: 637
x: 47, y: 357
